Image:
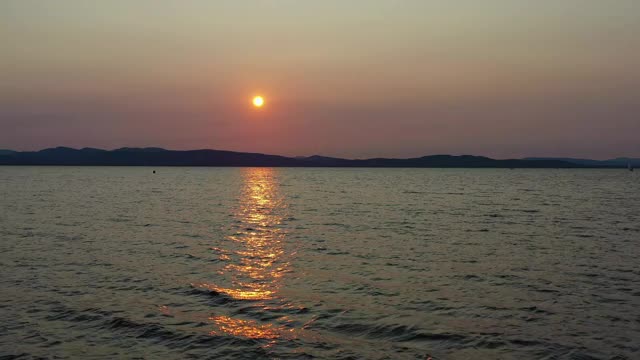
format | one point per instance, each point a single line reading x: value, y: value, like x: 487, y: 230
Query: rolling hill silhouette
x: 206, y: 157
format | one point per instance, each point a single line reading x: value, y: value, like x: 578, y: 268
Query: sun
x: 258, y: 101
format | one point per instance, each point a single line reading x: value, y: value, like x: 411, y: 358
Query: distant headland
x: 206, y: 157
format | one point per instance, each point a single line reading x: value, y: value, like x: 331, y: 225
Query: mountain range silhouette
x: 152, y: 156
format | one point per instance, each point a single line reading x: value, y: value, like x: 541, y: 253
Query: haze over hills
x: 161, y: 157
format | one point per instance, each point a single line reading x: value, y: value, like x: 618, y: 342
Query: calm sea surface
x: 248, y: 263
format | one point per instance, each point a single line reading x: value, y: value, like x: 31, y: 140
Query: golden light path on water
x: 256, y: 265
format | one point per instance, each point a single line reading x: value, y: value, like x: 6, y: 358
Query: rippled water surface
x: 102, y: 262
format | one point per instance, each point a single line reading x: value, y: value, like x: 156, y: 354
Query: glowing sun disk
x: 258, y: 101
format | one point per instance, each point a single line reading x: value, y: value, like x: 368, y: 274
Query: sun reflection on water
x: 255, y: 261
x: 246, y: 328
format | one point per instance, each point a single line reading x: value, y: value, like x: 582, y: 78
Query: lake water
x: 247, y: 263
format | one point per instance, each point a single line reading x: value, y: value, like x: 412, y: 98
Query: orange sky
x: 354, y: 79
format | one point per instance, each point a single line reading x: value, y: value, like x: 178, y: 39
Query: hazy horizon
x: 363, y: 79
x: 309, y: 155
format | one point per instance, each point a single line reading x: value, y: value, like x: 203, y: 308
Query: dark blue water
x: 245, y: 263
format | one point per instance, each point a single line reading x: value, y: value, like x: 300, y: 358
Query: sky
x: 357, y: 79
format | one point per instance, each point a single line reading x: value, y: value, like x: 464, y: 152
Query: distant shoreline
x: 63, y: 156
x: 323, y: 167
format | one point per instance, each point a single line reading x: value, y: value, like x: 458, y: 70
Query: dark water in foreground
x: 319, y: 263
